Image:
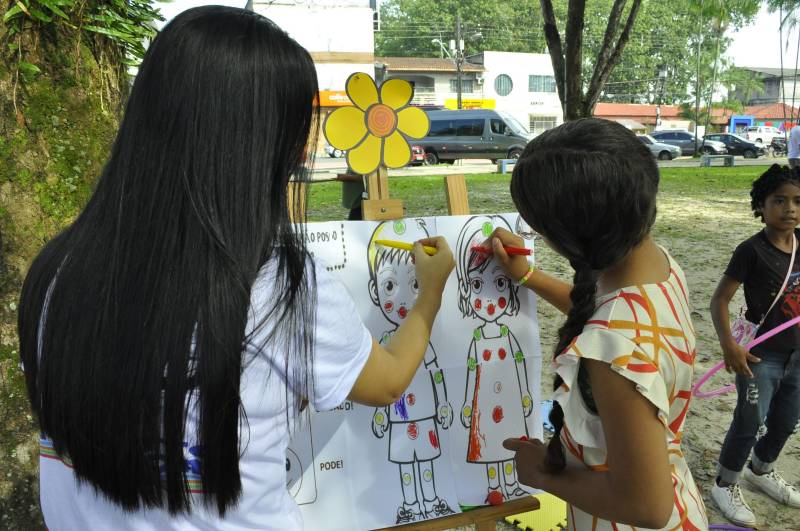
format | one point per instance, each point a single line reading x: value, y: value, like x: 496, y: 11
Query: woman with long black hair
x: 170, y: 334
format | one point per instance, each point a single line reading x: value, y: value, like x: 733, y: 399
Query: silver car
x: 659, y: 150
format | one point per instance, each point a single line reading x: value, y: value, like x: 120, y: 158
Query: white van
x: 761, y: 134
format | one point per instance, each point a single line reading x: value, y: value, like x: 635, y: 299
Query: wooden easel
x: 379, y: 207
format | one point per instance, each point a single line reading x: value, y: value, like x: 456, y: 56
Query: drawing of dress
x: 496, y: 401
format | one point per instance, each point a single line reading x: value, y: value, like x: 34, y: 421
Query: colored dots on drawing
x: 433, y: 438
x: 497, y: 414
x: 379, y: 418
x: 526, y: 401
x: 487, y: 355
x: 412, y: 431
x: 495, y: 498
x: 502, y: 303
x: 478, y: 304
x: 492, y: 472
x: 438, y: 377
x: 467, y: 411
x: 411, y: 399
x: 519, y: 356
x: 407, y: 479
x: 388, y: 306
x: 427, y: 476
x: 399, y: 227
x: 509, y: 469
x: 504, y: 330
x: 487, y: 229
x: 472, y: 363
x: 477, y: 333
x: 502, y: 353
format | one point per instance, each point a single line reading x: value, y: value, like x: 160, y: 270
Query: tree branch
x: 553, y: 40
x: 593, y: 92
x: 573, y: 34
x: 608, y: 40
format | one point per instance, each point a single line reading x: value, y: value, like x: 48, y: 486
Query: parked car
x: 685, y: 140
x: 659, y: 150
x: 473, y: 134
x: 417, y: 156
x: 761, y: 134
x: 737, y: 145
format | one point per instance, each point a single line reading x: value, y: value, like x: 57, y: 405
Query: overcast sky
x: 755, y: 45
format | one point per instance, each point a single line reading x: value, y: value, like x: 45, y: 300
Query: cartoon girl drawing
x: 493, y: 409
x: 413, y: 421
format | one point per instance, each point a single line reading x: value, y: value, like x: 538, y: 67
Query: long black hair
x: 143, y: 301
x: 589, y: 187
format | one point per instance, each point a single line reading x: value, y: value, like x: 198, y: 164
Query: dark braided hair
x: 589, y: 187
x: 768, y: 182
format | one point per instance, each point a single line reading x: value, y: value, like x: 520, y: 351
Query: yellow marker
x: 405, y: 246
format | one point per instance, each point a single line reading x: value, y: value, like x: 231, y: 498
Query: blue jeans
x: 771, y: 397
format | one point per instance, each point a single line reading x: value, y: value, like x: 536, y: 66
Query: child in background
x: 768, y: 378
x: 625, y: 356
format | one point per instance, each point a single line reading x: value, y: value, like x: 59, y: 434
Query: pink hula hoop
x: 722, y: 390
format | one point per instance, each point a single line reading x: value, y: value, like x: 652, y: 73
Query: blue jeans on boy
x: 771, y: 397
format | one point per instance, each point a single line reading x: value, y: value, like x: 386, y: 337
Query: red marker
x: 510, y: 250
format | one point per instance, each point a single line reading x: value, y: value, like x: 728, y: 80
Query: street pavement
x: 326, y: 168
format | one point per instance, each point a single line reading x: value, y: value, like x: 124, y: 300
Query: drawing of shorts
x: 413, y: 441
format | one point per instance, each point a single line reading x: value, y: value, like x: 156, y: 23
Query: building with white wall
x: 522, y: 85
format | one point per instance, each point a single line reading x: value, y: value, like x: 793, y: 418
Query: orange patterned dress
x: 645, y: 333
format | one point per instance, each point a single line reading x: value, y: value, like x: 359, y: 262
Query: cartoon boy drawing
x: 412, y: 422
x: 493, y: 410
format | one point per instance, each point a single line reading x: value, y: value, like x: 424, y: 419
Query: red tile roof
x: 771, y: 111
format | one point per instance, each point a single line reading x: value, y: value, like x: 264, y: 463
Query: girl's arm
x: 636, y: 489
x: 548, y: 287
x: 736, y: 357
x: 390, y: 368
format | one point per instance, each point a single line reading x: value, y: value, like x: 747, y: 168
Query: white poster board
x: 439, y: 447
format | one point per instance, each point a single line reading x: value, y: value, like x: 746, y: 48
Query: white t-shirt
x: 794, y: 143
x: 342, y: 346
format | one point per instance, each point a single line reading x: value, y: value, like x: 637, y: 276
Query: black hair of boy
x: 769, y: 181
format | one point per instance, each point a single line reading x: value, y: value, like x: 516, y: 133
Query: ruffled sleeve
x: 627, y: 359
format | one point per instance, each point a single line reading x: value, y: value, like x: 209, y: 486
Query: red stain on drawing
x: 475, y: 435
x: 433, y: 438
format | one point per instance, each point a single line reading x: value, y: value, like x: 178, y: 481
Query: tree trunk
x: 573, y: 58
x: 597, y: 83
x: 553, y: 40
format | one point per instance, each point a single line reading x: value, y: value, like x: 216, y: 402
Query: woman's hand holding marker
x: 432, y: 271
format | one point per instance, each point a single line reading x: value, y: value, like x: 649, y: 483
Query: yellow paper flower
x: 376, y: 130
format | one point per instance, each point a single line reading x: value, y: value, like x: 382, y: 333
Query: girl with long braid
x: 625, y: 355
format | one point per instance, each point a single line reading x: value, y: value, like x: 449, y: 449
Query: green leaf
x: 40, y: 15
x: 108, y: 31
x: 53, y: 6
x: 11, y: 13
x: 29, y: 68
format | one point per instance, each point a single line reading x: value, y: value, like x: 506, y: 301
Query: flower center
x: 381, y: 120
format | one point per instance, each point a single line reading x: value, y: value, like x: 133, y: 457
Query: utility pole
x: 459, y: 57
